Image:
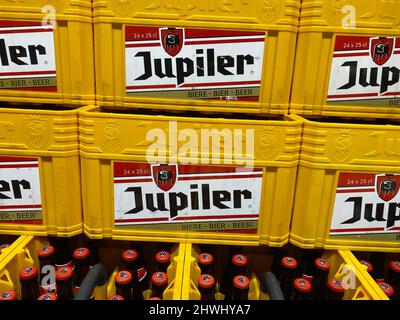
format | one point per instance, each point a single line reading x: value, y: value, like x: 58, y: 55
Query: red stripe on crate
x: 237, y: 216
x: 11, y: 23
x: 353, y: 95
x: 135, y: 45
x: 26, y: 73
x: 141, y: 220
x: 221, y: 177
x: 210, y: 84
x: 357, y: 54
x: 19, y: 166
x: 133, y: 180
x: 15, y: 159
x: 223, y: 41
x: 391, y: 93
x: 23, y: 30
x: 355, y: 190
x: 357, y: 229
x: 246, y: 231
x: 44, y: 89
x: 160, y: 86
x: 203, y: 33
x: 23, y: 222
x: 396, y: 228
x: 27, y: 206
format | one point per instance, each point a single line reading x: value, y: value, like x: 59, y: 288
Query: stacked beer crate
x: 234, y: 129
x: 346, y: 86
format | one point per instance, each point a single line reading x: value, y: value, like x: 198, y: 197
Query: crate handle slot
x: 97, y: 276
x: 6, y: 281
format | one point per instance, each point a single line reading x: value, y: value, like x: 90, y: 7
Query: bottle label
x: 52, y: 288
x: 69, y: 264
x: 142, y: 273
x: 76, y: 289
x: 307, y: 277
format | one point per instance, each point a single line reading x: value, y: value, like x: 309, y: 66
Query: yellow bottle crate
x: 347, y: 59
x: 135, y: 168
x: 347, y: 186
x: 23, y: 253
x: 344, y: 267
x: 46, y: 52
x: 190, y: 55
x: 174, y: 272
x: 39, y: 172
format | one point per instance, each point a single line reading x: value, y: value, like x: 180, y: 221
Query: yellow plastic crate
x: 39, y: 172
x: 344, y: 267
x: 175, y: 275
x: 347, y: 59
x: 46, y: 52
x: 129, y: 35
x: 118, y: 165
x: 23, y: 253
x: 347, y: 187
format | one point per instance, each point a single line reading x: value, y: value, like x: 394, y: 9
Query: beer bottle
x: 115, y: 297
x: 307, y: 264
x: 206, y: 286
x: 368, y: 264
x: 394, y: 273
x: 335, y: 290
x: 236, y: 267
x: 8, y: 295
x: 48, y: 296
x: 81, y: 268
x: 162, y: 259
x: 378, y: 261
x: 301, y: 289
x: 47, y: 270
x: 287, y: 275
x: 123, y: 284
x: 28, y: 278
x: 387, y: 289
x: 278, y: 255
x: 240, y: 289
x: 144, y: 276
x: 159, y: 281
x: 130, y: 263
x: 320, y: 278
x: 93, y: 246
x: 65, y: 285
x: 205, y: 262
x: 63, y: 252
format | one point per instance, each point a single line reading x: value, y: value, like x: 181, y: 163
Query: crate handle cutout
x: 360, y: 294
x: 6, y: 282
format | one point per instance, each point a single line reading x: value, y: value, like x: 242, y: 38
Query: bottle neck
x: 29, y: 289
x: 124, y: 290
x: 81, y: 270
x: 157, y: 291
x: 207, y: 293
x: 65, y: 290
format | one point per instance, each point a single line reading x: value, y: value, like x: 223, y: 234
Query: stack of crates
x: 346, y: 86
x: 47, y: 73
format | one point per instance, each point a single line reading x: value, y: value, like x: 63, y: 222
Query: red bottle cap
x: 154, y: 298
x: 64, y: 273
x: 289, y: 262
x: 302, y: 285
x: 4, y: 246
x: 159, y: 278
x: 130, y: 255
x: 28, y: 273
x: 239, y: 260
x: 115, y: 297
x: 48, y: 296
x: 206, y: 281
x: 336, y: 286
x: 241, y: 282
x: 8, y: 295
x: 205, y: 259
x: 163, y: 257
x: 368, y: 264
x: 322, y: 264
x: 123, y: 277
x: 81, y: 253
x: 386, y: 288
x: 395, y: 266
x: 45, y: 251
